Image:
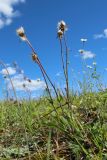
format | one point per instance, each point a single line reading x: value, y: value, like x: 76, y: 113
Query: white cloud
x: 22, y: 84
x: 105, y: 33
x: 11, y: 71
x: 102, y: 35
x: 88, y: 55
x: 7, y: 12
x: 98, y: 36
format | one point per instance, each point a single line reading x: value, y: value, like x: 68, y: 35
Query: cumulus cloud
x: 20, y: 81
x: 11, y: 71
x: 7, y: 12
x: 22, y: 84
x: 102, y: 35
x: 88, y: 55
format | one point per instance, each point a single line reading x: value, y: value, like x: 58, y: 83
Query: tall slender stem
x: 62, y: 58
x: 38, y: 61
x: 43, y: 71
x: 67, y: 83
x: 28, y: 42
x: 48, y: 77
x: 47, y: 88
x: 65, y: 68
x: 3, y: 64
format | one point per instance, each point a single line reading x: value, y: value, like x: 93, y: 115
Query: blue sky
x: 85, y: 19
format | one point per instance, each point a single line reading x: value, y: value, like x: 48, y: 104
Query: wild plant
x: 46, y: 77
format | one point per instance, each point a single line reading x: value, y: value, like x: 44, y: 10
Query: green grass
x: 26, y: 132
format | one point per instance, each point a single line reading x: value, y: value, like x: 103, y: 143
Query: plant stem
x: 44, y: 72
x: 62, y: 59
x: 4, y: 65
x: 48, y: 89
x: 67, y: 80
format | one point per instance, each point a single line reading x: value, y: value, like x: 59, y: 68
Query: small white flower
x: 81, y: 51
x: 88, y: 66
x: 21, y: 33
x: 83, y: 40
x: 94, y: 63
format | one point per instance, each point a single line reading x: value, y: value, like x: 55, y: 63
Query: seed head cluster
x: 21, y: 33
x: 62, y: 27
x: 34, y: 56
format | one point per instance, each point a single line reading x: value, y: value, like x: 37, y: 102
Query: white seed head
x: 94, y: 63
x: 61, y: 23
x: 20, y: 30
x: 21, y: 33
x: 62, y: 26
x: 60, y: 34
x: 83, y: 40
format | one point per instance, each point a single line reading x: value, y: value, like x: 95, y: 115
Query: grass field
x: 32, y: 131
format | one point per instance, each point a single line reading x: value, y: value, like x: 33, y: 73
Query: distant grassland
x: 27, y: 131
